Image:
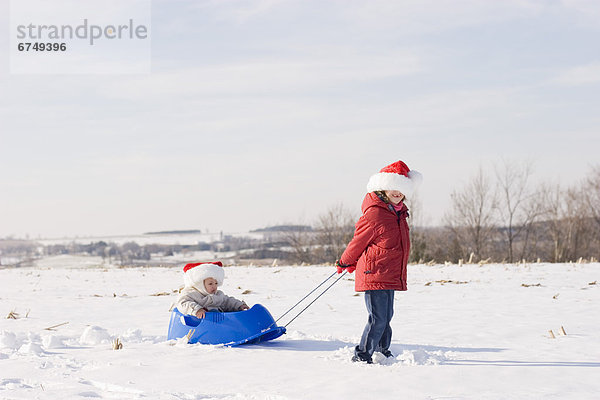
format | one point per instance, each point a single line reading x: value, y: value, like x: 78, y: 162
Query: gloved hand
x: 341, y: 267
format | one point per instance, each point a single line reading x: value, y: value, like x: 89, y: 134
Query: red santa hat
x: 396, y: 176
x: 195, y: 274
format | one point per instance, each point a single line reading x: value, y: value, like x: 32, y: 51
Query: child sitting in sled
x: 200, y: 293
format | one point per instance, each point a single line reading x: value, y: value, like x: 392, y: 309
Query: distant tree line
x: 15, y: 252
x: 503, y: 217
x: 496, y: 216
x: 133, y: 253
x: 323, y: 242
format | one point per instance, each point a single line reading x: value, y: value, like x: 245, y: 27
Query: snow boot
x: 387, y: 353
x: 359, y: 356
x: 360, y: 359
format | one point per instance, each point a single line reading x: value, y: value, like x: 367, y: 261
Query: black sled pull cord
x: 322, y: 293
x: 301, y: 300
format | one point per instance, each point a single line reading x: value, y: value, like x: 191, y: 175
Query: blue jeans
x: 377, y: 335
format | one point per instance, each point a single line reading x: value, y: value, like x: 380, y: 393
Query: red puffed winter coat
x: 380, y: 246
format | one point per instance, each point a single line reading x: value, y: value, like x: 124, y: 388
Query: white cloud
x: 277, y: 75
x: 586, y: 8
x: 580, y: 75
x: 241, y: 11
x: 426, y: 16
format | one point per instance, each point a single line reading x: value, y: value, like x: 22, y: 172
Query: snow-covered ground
x: 465, y: 332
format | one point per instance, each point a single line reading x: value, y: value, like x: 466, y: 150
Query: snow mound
x: 343, y: 354
x: 14, y: 384
x: 8, y: 340
x: 132, y: 336
x: 52, y: 342
x: 136, y: 336
x: 407, y: 357
x: 420, y: 357
x: 295, y: 335
x: 31, y: 348
x: 95, y: 335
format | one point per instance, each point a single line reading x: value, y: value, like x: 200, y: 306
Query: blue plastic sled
x: 230, y: 329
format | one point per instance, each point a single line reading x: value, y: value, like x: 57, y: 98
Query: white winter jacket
x: 190, y: 301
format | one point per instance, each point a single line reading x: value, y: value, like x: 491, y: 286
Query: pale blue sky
x: 267, y: 112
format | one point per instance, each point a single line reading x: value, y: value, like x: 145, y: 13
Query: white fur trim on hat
x: 194, y: 277
x: 393, y: 181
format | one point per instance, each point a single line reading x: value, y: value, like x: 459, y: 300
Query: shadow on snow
x: 332, y: 345
x: 509, y: 363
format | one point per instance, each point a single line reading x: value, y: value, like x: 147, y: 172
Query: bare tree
x: 472, y: 216
x: 326, y: 243
x: 415, y: 207
x: 300, y: 242
x: 566, y: 220
x: 514, y: 193
x: 335, y: 229
x: 418, y: 237
x: 578, y: 223
x: 592, y: 192
x: 592, y: 188
x: 552, y: 199
x: 533, y: 209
